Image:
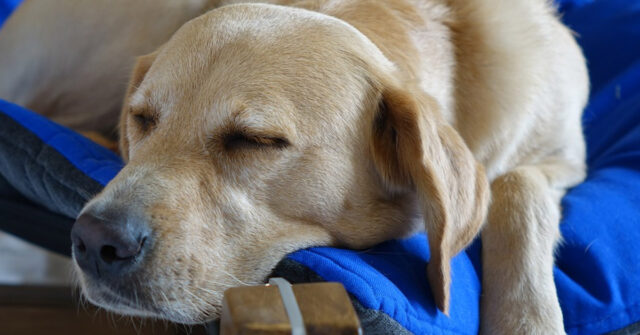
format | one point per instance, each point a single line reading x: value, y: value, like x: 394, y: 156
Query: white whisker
x: 233, y: 277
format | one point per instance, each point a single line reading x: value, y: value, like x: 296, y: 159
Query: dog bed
x: 47, y: 173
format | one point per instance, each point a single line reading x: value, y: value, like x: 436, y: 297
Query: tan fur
x: 366, y: 118
x: 415, y: 148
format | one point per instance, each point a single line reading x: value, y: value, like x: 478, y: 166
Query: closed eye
x: 144, y: 121
x: 236, y: 141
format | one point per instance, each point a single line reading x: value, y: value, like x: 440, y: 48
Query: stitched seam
x: 40, y: 164
x: 89, y: 154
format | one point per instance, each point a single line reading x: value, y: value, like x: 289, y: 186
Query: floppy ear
x: 143, y: 63
x: 413, y: 146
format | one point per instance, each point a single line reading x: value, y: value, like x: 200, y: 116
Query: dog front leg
x: 519, y: 293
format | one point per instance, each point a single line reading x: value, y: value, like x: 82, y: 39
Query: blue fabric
x: 598, y: 265
x: 609, y: 34
x: 94, y: 160
x: 6, y: 7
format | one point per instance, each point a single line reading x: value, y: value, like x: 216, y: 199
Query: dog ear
x: 414, y: 147
x: 143, y: 63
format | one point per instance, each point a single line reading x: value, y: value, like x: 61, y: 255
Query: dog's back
x: 521, y: 84
x: 506, y: 74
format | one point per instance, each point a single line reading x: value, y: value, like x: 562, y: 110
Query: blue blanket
x: 598, y: 266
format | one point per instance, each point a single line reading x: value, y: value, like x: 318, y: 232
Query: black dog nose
x: 105, y: 248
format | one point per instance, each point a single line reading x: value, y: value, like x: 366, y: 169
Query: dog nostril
x: 108, y: 254
x: 81, y: 247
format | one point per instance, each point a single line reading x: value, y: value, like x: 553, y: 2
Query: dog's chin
x: 110, y: 300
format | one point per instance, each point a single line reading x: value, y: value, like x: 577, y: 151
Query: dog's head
x: 255, y: 131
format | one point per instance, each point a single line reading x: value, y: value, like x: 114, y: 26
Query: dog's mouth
x: 130, y: 301
x: 134, y: 298
x: 146, y: 293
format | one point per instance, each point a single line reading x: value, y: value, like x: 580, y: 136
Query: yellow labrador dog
x: 258, y: 129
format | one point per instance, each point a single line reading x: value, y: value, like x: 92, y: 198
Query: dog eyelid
x: 144, y: 120
x: 240, y: 140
